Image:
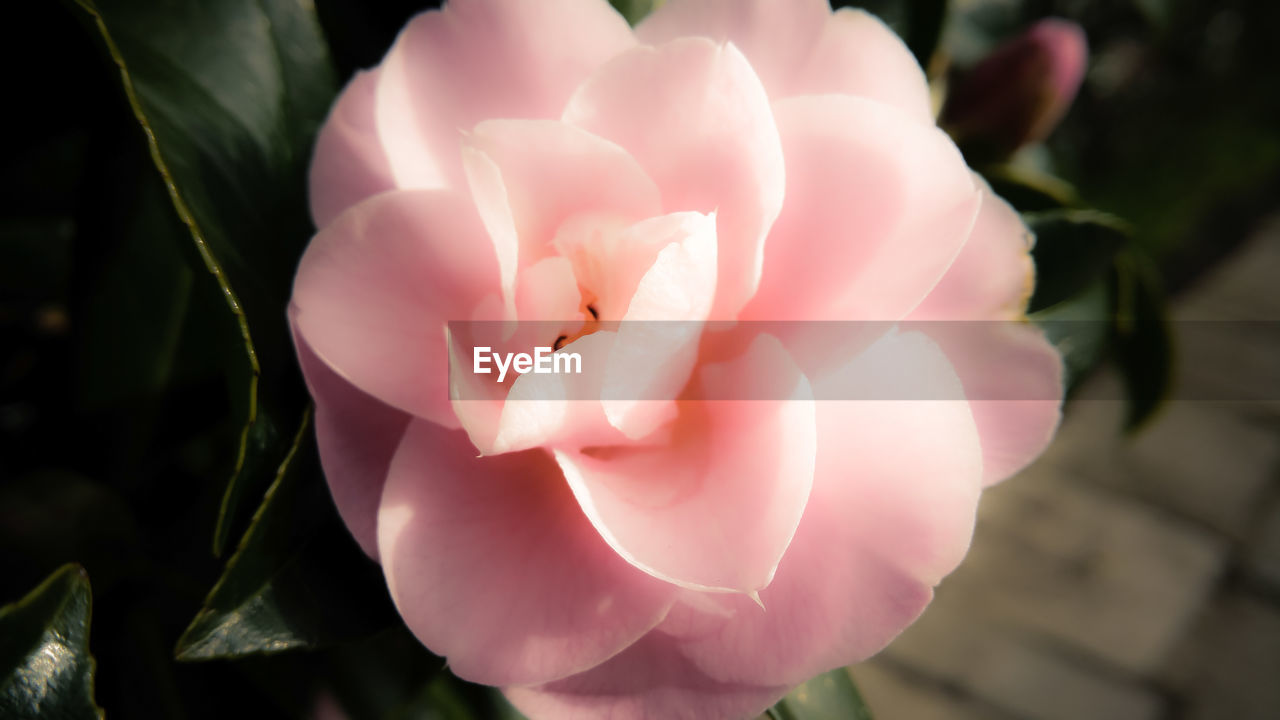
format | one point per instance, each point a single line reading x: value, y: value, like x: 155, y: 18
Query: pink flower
x: 667, y: 551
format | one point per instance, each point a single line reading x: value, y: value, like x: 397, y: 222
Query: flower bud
x: 1019, y: 92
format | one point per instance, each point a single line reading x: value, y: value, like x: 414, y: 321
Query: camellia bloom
x: 680, y: 551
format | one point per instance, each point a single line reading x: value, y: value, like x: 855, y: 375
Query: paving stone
x: 1229, y: 362
x: 1264, y: 548
x: 1208, y: 461
x: 895, y: 695
x: 1242, y: 286
x: 1014, y: 672
x: 1092, y: 428
x: 1233, y: 356
x: 1089, y: 568
x: 1204, y: 461
x: 1229, y: 668
x: 1094, y: 577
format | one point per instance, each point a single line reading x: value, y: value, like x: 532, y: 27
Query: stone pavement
x: 1126, y: 578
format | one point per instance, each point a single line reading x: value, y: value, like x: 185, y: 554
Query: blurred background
x: 1132, y: 573
x: 1136, y: 574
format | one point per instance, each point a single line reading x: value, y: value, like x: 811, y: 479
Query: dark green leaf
x: 1074, y: 249
x: 229, y: 94
x: 831, y: 696
x: 1029, y: 191
x: 633, y: 10
x: 297, y: 579
x: 257, y: 441
x: 1079, y: 329
x: 1141, y: 341
x: 45, y: 667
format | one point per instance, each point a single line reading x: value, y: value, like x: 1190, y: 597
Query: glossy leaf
x: 297, y: 579
x: 229, y: 95
x: 45, y: 667
x: 1079, y: 328
x: 1074, y: 249
x: 831, y: 696
x: 1029, y: 191
x: 1141, y: 341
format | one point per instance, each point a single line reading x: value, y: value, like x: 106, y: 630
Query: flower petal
x: 637, y: 369
x: 349, y: 164
x: 799, y: 47
x: 492, y: 565
x: 877, y: 209
x: 1009, y: 371
x: 992, y: 277
x: 1013, y: 379
x: 477, y: 59
x: 892, y: 510
x: 650, y: 679
x: 697, y: 119
x: 529, y: 177
x: 776, y: 36
x: 552, y: 171
x: 857, y: 54
x: 559, y: 409
x: 357, y: 435
x: 657, y: 342
x: 375, y: 288
x: 716, y: 506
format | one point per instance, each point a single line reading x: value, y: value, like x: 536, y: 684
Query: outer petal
x: 891, y: 512
x: 715, y: 507
x: 357, y: 436
x: 799, y: 47
x: 777, y: 36
x: 491, y: 564
x: 349, y: 164
x: 1013, y: 378
x: 478, y: 59
x: 992, y: 277
x: 696, y: 117
x: 877, y: 209
x: 650, y: 679
x: 1010, y: 372
x: 859, y: 55
x: 375, y: 288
